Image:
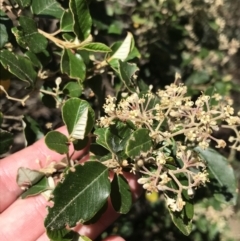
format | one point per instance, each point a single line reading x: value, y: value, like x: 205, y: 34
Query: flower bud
x: 124, y: 163
x: 140, y: 162
x: 142, y: 180
x: 58, y: 81
x: 190, y: 192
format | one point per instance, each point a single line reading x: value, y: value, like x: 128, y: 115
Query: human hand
x: 23, y: 219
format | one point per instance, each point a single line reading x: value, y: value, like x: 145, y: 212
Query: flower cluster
x: 217, y: 216
x: 171, y: 115
x: 176, y: 114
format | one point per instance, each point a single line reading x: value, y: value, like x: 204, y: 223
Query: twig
x: 23, y: 100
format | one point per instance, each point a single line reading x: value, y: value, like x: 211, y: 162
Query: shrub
x: 163, y: 135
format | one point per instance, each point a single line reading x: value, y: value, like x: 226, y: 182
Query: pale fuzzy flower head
x: 204, y: 144
x: 233, y: 47
x: 197, y: 63
x: 218, y: 3
x: 232, y: 139
x: 220, y: 22
x: 164, y: 179
x: 180, y: 150
x: 156, y: 136
x: 224, y: 43
x: 217, y: 96
x: 105, y: 121
x: 171, y: 203
x: 146, y: 186
x: 201, y: 177
x: 233, y: 120
x: 180, y: 204
x: 109, y: 106
x: 191, y: 135
x: 228, y: 110
x: 143, y: 180
x: 221, y: 144
x: 160, y: 158
x: 205, y: 118
x: 175, y: 205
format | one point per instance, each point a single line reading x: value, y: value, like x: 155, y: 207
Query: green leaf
x: 34, y: 59
x: 121, y: 197
x: 127, y: 71
x: 5, y: 75
x: 18, y: 65
x: 134, y: 53
x: 142, y: 85
x: 5, y: 28
x: 139, y: 143
x: 4, y: 35
x: 47, y: 8
x: 222, y: 179
x: 123, y: 50
x: 189, y: 209
x: 68, y: 37
x: 98, y: 150
x: 104, y: 138
x: 73, y: 65
x: 66, y: 23
x: 114, y: 138
x: 105, y: 158
x: 84, y: 238
x: 197, y: 78
x: 96, y: 47
x: 39, y: 60
x: 78, y: 117
x: 6, y: 140
x: 23, y: 3
x: 32, y: 130
x: 27, y: 177
x: 80, y: 196
x: 181, y: 221
x: 120, y: 135
x: 73, y: 89
x: 79, y: 128
x: 82, y: 19
x: 57, y: 141
x: 1, y: 118
x: 37, y: 188
x: 28, y: 36
x: 80, y: 144
x: 116, y: 27
x: 62, y: 235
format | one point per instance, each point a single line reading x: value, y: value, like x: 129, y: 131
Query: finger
x: 25, y: 216
x: 24, y: 220
x: 24, y: 158
x: 43, y: 237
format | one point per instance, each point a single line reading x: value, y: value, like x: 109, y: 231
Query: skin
x: 23, y: 219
